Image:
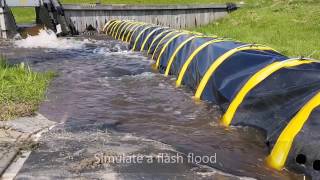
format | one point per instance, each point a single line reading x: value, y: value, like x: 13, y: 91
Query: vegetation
x: 24, y: 15
x: 290, y: 26
x: 21, y: 90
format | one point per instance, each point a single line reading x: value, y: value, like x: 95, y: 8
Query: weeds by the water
x: 290, y: 26
x: 21, y: 90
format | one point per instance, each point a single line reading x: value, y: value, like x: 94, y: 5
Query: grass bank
x: 24, y: 15
x: 21, y: 90
x: 290, y: 26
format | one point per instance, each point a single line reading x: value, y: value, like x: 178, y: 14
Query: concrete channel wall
x: 175, y: 16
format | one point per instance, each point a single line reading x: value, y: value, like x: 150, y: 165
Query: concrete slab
x: 28, y: 124
x: 17, y: 135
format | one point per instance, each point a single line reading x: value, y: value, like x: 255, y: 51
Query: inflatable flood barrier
x: 253, y: 84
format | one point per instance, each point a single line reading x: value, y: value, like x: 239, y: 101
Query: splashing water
x: 48, y: 39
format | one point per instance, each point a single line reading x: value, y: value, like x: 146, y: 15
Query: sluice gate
x: 253, y: 84
x: 49, y: 13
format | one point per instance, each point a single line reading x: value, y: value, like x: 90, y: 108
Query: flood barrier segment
x: 139, y: 35
x: 166, y: 46
x: 157, y: 37
x: 148, y: 36
x: 188, y: 61
x: 220, y: 60
x: 254, y: 85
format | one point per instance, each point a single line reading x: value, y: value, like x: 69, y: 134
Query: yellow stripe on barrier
x: 191, y: 57
x: 123, y: 29
x: 113, y: 27
x: 127, y: 30
x: 175, y: 53
x: 281, y: 149
x: 148, y: 36
x: 166, y: 45
x: 133, y: 28
x: 253, y: 82
x: 116, y: 29
x: 139, y: 35
x: 157, y: 37
x: 163, y: 38
x: 178, y: 49
x: 110, y: 26
x: 220, y: 60
x: 106, y: 25
x: 135, y: 31
x: 120, y: 29
x: 280, y: 152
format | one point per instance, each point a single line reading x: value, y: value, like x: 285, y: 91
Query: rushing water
x: 109, y: 100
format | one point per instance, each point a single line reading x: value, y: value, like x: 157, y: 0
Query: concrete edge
x: 5, y: 162
x: 118, y: 7
x: 10, y: 155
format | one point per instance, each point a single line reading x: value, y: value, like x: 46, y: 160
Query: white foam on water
x: 119, y: 50
x: 48, y: 39
x: 116, y: 49
x: 142, y: 76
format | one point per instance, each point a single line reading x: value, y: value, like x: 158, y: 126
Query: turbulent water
x: 109, y: 101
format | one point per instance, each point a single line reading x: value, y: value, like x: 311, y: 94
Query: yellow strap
x: 253, y: 82
x: 139, y: 35
x: 123, y: 38
x: 134, y: 27
x: 135, y: 31
x: 178, y: 49
x: 113, y: 27
x: 191, y: 57
x: 162, y: 39
x: 123, y: 30
x: 175, y: 53
x: 166, y: 45
x: 220, y: 60
x: 148, y: 36
x: 157, y: 37
x: 106, y: 25
x: 131, y: 30
x: 281, y: 149
x: 120, y: 29
x: 110, y: 26
x: 116, y: 29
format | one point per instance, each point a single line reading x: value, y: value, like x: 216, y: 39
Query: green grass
x: 290, y: 26
x: 24, y: 15
x: 21, y: 90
